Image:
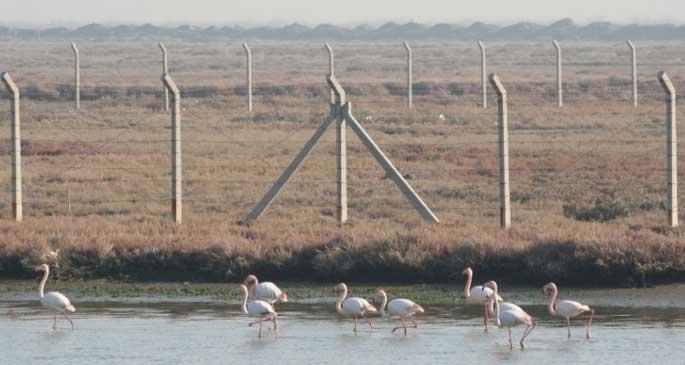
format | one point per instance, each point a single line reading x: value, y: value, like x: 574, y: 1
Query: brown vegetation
x: 587, y: 181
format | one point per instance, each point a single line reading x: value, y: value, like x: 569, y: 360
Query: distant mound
x: 565, y: 29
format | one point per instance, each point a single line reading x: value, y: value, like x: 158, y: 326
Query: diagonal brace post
x: 389, y: 168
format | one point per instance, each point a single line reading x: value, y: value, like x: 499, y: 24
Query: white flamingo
x: 511, y: 317
x: 266, y: 291
x: 55, y: 301
x: 258, y: 308
x: 478, y: 295
x: 353, y: 307
x: 567, y: 309
x: 398, y: 308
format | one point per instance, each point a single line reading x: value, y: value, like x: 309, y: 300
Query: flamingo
x: 353, y: 306
x: 567, y: 309
x: 478, y: 295
x: 55, y: 301
x: 258, y: 308
x: 402, y: 308
x: 511, y: 316
x: 266, y: 291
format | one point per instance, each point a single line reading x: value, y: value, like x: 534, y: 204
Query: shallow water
x: 214, y: 332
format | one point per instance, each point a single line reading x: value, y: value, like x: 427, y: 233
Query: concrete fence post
x: 671, y: 149
x: 560, y: 92
x: 337, y: 102
x: 15, y: 148
x: 503, y: 143
x: 248, y: 55
x: 331, y: 66
x: 483, y: 73
x: 77, y: 75
x: 633, y: 59
x: 410, y: 76
x: 176, y: 162
x: 165, y: 70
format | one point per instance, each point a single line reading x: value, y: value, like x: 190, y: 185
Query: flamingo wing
x: 57, y: 301
x: 403, y: 308
x: 512, y: 318
x: 259, y: 308
x: 357, y: 306
x: 267, y: 291
x: 480, y: 295
x: 570, y: 308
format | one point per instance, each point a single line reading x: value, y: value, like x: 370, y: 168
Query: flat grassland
x: 588, y: 181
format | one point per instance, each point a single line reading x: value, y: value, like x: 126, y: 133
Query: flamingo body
x: 57, y: 302
x: 570, y: 308
x: 356, y: 306
x: 266, y: 291
x: 403, y: 308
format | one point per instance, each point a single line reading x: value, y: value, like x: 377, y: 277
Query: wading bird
x: 258, y: 308
x: 353, y: 307
x: 266, y: 291
x: 510, y: 316
x: 567, y: 309
x: 55, y: 301
x: 478, y: 295
x: 398, y: 308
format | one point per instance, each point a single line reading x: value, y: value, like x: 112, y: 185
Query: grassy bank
x: 574, y: 253
x: 588, y: 183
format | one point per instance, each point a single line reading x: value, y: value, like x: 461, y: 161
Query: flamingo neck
x: 341, y: 297
x: 41, y: 288
x: 243, y: 307
x: 496, y: 303
x: 467, y: 288
x: 552, y: 307
x: 384, y: 302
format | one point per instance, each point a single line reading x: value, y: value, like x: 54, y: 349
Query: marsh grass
x: 587, y: 181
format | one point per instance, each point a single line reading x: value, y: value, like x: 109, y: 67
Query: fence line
x: 503, y: 140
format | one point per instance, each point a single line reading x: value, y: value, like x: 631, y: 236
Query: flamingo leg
x: 54, y: 323
x: 589, y: 323
x: 368, y: 321
x: 527, y: 332
x: 355, y: 323
x: 68, y: 319
x: 511, y: 346
x: 261, y: 320
x: 485, y: 317
x: 414, y: 322
x: 568, y: 324
x: 275, y: 320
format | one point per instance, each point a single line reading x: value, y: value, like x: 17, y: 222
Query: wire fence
x: 112, y: 157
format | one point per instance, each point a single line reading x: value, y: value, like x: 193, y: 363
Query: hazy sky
x: 344, y: 12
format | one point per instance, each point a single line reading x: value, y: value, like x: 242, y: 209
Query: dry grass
x: 588, y: 181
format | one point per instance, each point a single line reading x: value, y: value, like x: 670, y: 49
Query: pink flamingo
x: 567, y: 309
x: 53, y: 300
x: 258, y: 308
x: 353, y: 307
x: 511, y: 316
x: 478, y: 295
x: 399, y: 308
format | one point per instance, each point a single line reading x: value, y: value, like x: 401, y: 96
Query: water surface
x: 212, y: 331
